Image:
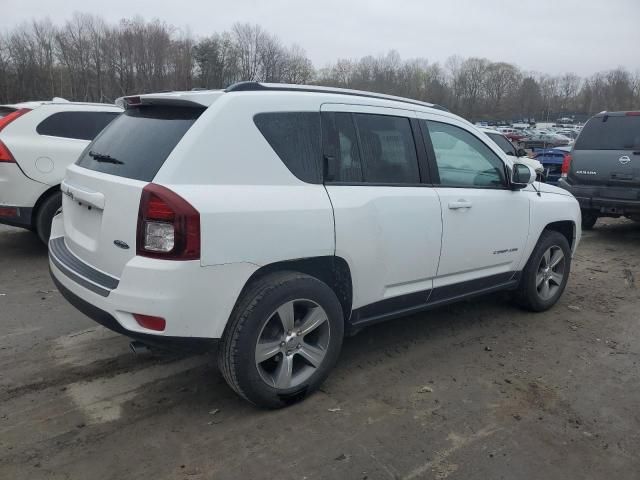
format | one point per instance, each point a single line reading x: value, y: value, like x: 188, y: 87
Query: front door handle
x: 459, y: 204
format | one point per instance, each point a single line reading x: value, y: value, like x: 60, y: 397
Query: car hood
x: 546, y: 188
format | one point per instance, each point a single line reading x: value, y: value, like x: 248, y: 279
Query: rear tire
x: 545, y: 275
x: 45, y: 214
x: 265, y: 364
x: 588, y: 220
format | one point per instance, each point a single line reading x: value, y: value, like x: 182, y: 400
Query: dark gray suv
x: 603, y: 169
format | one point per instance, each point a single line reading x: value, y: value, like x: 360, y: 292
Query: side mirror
x: 522, y: 175
x: 522, y: 152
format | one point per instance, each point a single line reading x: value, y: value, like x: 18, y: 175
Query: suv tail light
x: 566, y: 164
x: 168, y: 225
x: 5, y: 153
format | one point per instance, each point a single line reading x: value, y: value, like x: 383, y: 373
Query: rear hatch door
x: 102, y: 190
x: 607, y: 152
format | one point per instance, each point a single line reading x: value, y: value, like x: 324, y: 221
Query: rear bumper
x: 195, y: 301
x: 20, y: 192
x: 605, y: 200
x: 22, y: 217
x: 191, y: 344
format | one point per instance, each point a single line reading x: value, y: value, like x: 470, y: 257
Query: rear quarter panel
x: 252, y: 208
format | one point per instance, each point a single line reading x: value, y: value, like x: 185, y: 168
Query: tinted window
x: 78, y: 125
x: 462, y: 159
x: 616, y: 133
x: 295, y: 137
x: 387, y: 149
x: 137, y: 143
x: 505, y: 145
x: 340, y: 146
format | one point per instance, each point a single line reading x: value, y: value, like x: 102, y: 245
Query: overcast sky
x: 550, y: 36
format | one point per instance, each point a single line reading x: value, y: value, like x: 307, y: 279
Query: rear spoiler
x: 178, y: 99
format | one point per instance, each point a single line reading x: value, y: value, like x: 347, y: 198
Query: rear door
x: 102, y: 190
x: 607, y: 153
x: 387, y: 217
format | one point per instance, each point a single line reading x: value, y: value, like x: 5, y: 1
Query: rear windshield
x: 616, y: 133
x: 137, y: 143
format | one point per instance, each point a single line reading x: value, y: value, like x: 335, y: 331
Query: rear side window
x: 137, y: 143
x: 616, y: 133
x: 387, y: 149
x: 340, y: 146
x: 295, y: 137
x: 78, y: 125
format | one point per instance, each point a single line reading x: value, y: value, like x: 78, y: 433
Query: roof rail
x: 283, y: 87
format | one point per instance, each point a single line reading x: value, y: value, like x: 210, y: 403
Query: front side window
x: 387, y: 149
x: 462, y: 159
x: 77, y: 125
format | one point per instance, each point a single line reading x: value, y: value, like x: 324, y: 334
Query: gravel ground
x: 478, y: 390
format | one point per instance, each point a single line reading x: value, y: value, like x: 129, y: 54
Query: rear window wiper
x: 104, y: 158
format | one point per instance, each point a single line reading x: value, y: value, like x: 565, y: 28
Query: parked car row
x: 274, y: 220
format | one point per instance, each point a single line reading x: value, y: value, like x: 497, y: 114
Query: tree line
x: 87, y: 59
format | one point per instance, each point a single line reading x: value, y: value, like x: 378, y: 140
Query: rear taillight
x: 632, y: 114
x: 5, y: 153
x: 7, y: 119
x: 566, y: 164
x: 168, y: 225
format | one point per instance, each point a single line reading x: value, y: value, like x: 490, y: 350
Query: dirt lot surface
x: 479, y: 390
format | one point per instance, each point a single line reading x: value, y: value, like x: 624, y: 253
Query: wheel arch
x: 565, y: 227
x: 332, y: 270
x: 47, y: 193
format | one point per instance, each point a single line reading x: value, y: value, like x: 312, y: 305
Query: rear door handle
x: 459, y: 204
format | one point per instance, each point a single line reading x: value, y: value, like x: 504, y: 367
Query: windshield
x: 616, y: 133
x: 137, y: 143
x: 503, y: 143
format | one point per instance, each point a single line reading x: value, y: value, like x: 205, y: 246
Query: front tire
x: 545, y: 275
x: 45, y: 214
x: 282, y: 339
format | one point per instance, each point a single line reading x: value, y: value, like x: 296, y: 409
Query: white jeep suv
x: 38, y: 141
x: 278, y: 218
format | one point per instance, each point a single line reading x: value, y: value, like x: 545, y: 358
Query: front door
x: 485, y: 224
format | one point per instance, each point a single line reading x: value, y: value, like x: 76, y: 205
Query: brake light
x: 168, y: 225
x: 632, y: 114
x: 566, y: 165
x: 152, y: 323
x: 5, y: 154
x: 7, y: 119
x: 133, y: 101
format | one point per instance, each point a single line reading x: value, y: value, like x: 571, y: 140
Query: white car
x: 38, y: 141
x: 507, y: 147
x: 276, y: 219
